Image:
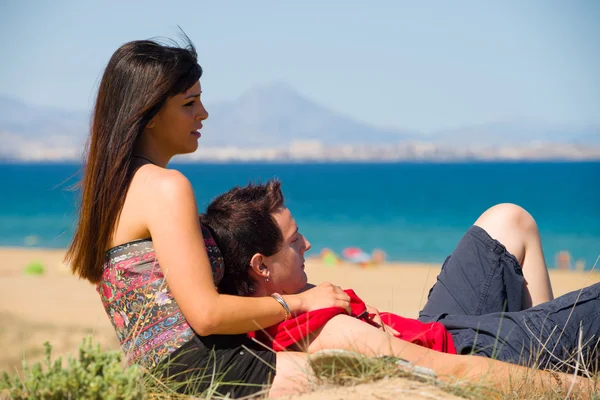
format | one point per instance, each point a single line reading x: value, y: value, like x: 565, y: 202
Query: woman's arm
x: 172, y: 220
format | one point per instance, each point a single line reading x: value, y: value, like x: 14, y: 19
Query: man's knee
x: 508, y: 215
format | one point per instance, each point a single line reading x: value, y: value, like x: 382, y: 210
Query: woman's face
x: 286, y: 267
x: 175, y: 128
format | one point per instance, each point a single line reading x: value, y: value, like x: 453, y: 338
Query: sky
x: 416, y: 65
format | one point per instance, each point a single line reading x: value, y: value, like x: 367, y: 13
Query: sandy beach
x: 62, y: 309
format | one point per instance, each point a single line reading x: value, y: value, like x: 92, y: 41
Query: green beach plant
x: 95, y: 374
x: 100, y: 374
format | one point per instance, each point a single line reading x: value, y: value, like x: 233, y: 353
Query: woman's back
x: 132, y: 222
x: 146, y: 317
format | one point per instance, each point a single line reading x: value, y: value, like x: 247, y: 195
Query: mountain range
x: 269, y: 116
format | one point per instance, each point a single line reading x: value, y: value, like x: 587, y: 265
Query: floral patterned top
x: 134, y: 292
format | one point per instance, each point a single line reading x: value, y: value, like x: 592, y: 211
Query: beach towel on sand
x: 282, y: 336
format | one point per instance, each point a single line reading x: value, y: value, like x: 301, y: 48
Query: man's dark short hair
x: 241, y: 223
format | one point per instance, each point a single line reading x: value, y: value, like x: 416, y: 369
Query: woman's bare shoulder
x: 159, y: 191
x: 154, y: 192
x: 161, y: 182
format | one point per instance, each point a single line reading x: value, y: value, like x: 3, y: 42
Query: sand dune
x: 62, y: 309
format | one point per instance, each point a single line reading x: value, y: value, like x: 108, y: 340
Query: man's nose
x: 307, y: 245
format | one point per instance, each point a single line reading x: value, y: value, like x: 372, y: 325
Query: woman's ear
x: 257, y: 268
x: 152, y: 122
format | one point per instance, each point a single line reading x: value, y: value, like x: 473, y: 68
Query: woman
x: 138, y: 238
x: 494, y: 303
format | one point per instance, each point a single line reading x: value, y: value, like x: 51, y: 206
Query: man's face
x: 286, y: 267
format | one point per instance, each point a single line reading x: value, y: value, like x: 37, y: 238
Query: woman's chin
x: 193, y: 147
x: 189, y: 147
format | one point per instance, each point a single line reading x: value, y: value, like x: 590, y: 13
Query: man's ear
x: 257, y: 268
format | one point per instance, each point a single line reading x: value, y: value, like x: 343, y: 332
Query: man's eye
x: 191, y: 103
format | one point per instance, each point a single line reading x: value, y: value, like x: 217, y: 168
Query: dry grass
x: 344, y: 371
x: 383, y: 378
x: 65, y: 322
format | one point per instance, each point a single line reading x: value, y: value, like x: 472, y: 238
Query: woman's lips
x: 196, y: 133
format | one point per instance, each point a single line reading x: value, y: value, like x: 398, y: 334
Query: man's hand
x: 376, y: 318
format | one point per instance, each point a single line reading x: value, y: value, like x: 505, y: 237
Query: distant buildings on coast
x: 315, y: 151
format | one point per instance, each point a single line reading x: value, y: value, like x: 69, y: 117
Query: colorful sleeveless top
x: 134, y: 292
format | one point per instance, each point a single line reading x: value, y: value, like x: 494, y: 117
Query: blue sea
x: 413, y: 211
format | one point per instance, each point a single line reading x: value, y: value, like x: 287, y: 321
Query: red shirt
x: 279, y: 337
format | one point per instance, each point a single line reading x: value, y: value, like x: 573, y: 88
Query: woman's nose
x: 202, y: 113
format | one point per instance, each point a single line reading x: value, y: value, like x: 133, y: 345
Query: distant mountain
x: 267, y: 116
x: 276, y: 114
x: 518, y: 132
x: 27, y: 131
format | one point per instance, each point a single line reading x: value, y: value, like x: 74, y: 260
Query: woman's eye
x: 191, y: 103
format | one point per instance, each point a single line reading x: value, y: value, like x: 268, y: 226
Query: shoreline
x: 42, y: 251
x: 325, y: 161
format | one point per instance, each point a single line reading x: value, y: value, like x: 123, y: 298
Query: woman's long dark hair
x: 138, y: 80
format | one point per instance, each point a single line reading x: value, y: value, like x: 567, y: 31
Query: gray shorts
x: 478, y: 297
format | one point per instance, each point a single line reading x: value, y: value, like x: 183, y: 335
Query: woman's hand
x: 323, y: 296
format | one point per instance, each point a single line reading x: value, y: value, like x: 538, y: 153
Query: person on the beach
x: 139, y: 239
x: 495, y: 299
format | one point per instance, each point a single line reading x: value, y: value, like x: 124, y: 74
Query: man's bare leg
x: 516, y: 229
x: 293, y: 374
